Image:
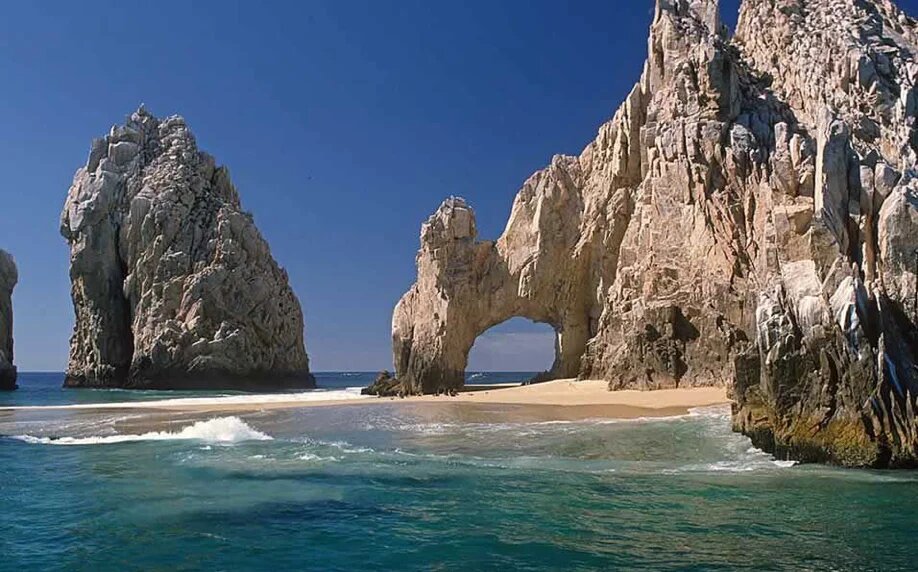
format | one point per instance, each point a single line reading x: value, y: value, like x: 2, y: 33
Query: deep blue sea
x: 398, y: 486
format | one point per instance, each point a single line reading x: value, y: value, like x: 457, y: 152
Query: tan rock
x: 744, y: 219
x: 173, y: 285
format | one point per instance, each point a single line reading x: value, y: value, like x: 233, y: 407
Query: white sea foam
x: 342, y: 446
x: 315, y: 395
x: 739, y: 461
x: 216, y: 430
x: 710, y: 411
x: 534, y: 427
x: 312, y: 457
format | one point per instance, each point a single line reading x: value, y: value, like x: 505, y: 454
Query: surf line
x: 257, y: 399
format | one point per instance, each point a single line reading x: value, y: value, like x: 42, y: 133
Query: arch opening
x: 515, y: 350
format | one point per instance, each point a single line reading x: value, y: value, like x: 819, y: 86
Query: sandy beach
x: 565, y: 399
x: 569, y: 392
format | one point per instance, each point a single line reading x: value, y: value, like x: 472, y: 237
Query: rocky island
x: 748, y: 218
x: 172, y: 284
x: 8, y: 279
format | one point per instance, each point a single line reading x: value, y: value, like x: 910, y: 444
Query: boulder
x: 383, y: 386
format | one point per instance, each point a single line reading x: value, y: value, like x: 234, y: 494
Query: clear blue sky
x: 344, y: 125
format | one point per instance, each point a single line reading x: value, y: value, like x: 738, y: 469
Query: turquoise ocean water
x: 399, y: 487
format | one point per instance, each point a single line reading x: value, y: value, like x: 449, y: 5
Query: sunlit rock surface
x: 748, y: 217
x: 173, y: 286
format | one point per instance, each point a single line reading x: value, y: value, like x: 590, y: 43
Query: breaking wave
x: 753, y: 460
x: 216, y: 430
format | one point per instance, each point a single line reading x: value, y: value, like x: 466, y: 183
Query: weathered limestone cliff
x: 172, y: 284
x: 8, y: 279
x: 748, y: 217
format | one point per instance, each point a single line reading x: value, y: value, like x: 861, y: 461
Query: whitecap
x: 216, y: 430
x: 753, y: 459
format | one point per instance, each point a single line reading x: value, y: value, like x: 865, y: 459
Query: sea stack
x: 749, y: 218
x: 8, y: 278
x: 173, y: 286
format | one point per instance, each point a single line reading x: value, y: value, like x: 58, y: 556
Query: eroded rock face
x: 748, y: 217
x: 836, y: 321
x: 8, y: 278
x: 172, y: 284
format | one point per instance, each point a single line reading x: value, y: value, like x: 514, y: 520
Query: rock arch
x: 747, y: 218
x: 466, y: 286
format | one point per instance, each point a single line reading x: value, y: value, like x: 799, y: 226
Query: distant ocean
x: 385, y: 487
x: 46, y: 388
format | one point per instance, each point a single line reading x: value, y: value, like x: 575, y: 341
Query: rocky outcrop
x: 8, y: 278
x: 748, y: 217
x: 836, y: 319
x: 172, y: 284
x: 383, y: 385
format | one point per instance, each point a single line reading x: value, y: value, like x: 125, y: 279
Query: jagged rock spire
x: 173, y: 285
x: 705, y: 11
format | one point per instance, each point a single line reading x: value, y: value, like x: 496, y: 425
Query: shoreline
x: 573, y: 400
x: 565, y: 399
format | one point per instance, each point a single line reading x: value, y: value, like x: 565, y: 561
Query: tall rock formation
x: 8, y: 278
x: 748, y: 217
x: 172, y: 284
